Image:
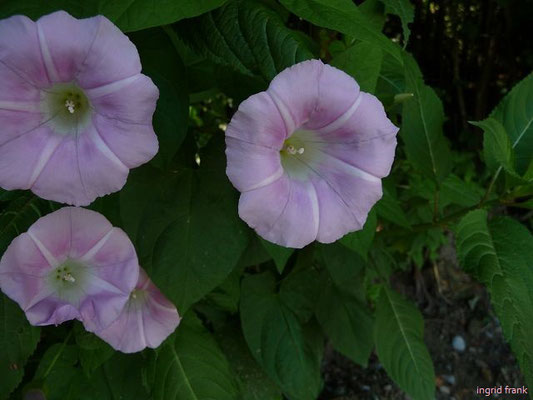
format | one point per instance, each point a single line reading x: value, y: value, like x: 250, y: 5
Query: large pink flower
x: 147, y: 319
x: 308, y: 155
x: 75, y: 110
x: 71, y: 264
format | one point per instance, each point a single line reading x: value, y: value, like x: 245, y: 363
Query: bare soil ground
x: 453, y: 305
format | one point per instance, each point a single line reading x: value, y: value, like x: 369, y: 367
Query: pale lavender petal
x: 15, y: 88
x: 63, y: 56
x: 367, y: 140
x: 336, y: 216
x: 112, y: 57
x: 339, y: 145
x: 258, y: 121
x: 286, y: 212
x: 71, y: 264
x: 20, y: 50
x: 295, y: 92
x: 60, y: 180
x: 147, y: 319
x: 131, y: 100
x: 251, y: 166
x: 20, y: 157
x: 134, y: 144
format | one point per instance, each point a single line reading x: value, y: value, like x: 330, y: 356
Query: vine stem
x: 491, y: 184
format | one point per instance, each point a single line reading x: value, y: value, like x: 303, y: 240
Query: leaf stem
x: 56, y: 357
x: 491, y: 185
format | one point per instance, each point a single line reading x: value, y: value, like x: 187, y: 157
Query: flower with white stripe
x: 308, y: 155
x: 70, y: 264
x: 75, y: 110
x: 147, y: 319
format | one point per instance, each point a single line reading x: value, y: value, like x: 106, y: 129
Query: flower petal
x: 20, y: 157
x: 63, y: 55
x: 251, y: 166
x: 144, y: 322
x: 131, y: 100
x: 367, y: 140
x: 20, y: 50
x: 15, y: 88
x: 112, y: 57
x: 285, y: 212
x: 134, y: 144
x: 258, y: 121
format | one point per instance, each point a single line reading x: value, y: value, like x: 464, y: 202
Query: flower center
x: 300, y: 154
x: 68, y: 280
x: 66, y: 106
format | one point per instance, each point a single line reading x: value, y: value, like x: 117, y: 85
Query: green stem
x: 56, y: 357
x: 491, y: 185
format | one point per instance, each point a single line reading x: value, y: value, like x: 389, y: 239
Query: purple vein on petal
x: 28, y: 131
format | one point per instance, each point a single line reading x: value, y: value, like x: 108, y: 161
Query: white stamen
x: 133, y: 294
x: 68, y: 277
x: 293, y: 150
x: 71, y: 107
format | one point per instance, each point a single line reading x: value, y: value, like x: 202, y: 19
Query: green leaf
x: 361, y: 241
x: 276, y: 339
x: 191, y: 366
x: 345, y: 267
x: 185, y: 226
x: 204, y: 242
x: 57, y: 370
x: 253, y: 382
x: 18, y: 340
x: 363, y: 62
x: 399, y: 333
x: 406, y: 11
x: 422, y: 121
x: 162, y: 63
x: 498, y: 253
x: 345, y: 17
x: 496, y: 145
x: 299, y: 290
x: 347, y: 322
x: 515, y: 113
x: 279, y: 254
x: 390, y: 209
x: 246, y: 36
x: 93, y: 351
x: 19, y: 215
x: 127, y: 15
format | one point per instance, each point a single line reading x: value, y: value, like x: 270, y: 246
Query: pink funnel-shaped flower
x: 71, y: 264
x: 75, y: 110
x: 147, y: 319
x: 308, y: 155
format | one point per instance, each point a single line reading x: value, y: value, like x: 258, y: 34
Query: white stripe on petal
x: 340, y: 121
x: 47, y: 153
x: 29, y: 106
x: 268, y: 180
x: 111, y: 87
x: 105, y: 150
x: 313, y: 197
x: 349, y: 169
x: 96, y: 248
x: 52, y: 261
x: 290, y: 125
x: 47, y: 57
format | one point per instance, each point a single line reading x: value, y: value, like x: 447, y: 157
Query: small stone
x: 459, y: 343
x: 450, y: 379
x: 445, y: 390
